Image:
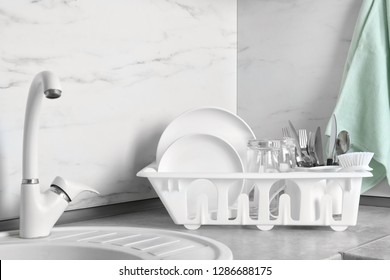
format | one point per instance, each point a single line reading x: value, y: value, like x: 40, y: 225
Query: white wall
x: 127, y: 68
x: 291, y: 56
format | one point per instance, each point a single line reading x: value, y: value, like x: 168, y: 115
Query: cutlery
x: 343, y: 142
x: 296, y: 139
x: 318, y: 149
x: 311, y: 148
x: 331, y: 141
x: 305, y: 142
x: 285, y: 132
x: 302, y: 160
x: 302, y: 134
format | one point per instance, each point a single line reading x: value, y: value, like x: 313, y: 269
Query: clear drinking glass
x: 287, y: 156
x: 263, y: 156
x: 266, y: 156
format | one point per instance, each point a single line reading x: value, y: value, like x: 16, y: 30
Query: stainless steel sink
x: 114, y: 243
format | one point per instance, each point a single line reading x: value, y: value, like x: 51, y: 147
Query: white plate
x: 203, y: 153
x: 326, y: 168
x: 359, y: 168
x: 208, y: 120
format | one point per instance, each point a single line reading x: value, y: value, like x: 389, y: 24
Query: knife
x: 331, y: 141
x: 318, y: 149
x: 296, y: 139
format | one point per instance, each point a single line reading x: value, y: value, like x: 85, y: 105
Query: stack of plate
x: 205, y: 140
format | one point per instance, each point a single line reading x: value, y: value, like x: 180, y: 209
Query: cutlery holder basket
x: 308, y: 198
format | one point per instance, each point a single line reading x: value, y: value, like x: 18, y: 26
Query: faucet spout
x: 46, y: 84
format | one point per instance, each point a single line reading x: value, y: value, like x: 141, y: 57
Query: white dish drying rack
x: 253, y: 207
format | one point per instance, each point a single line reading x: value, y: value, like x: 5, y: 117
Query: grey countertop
x: 369, y: 239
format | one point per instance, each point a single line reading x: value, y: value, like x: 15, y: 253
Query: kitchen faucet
x: 39, y: 211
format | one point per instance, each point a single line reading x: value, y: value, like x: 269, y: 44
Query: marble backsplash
x: 127, y: 68
x: 291, y: 56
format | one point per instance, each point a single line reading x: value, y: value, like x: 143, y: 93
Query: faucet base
x: 39, y: 211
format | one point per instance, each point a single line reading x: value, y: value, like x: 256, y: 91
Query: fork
x: 302, y: 139
x: 286, y: 132
x: 311, y: 148
x: 303, y: 143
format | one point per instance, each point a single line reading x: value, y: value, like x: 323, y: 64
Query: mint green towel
x: 363, y: 106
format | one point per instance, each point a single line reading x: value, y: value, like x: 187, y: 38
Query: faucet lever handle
x: 72, y: 189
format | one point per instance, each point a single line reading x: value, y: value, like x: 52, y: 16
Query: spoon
x: 343, y: 142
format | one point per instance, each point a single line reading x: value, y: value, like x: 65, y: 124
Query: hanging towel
x: 363, y: 105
